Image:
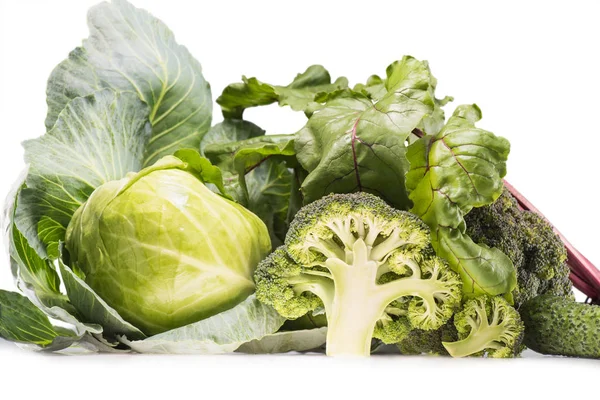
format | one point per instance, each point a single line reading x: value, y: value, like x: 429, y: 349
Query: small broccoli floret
x: 487, y: 326
x: 429, y: 342
x: 370, y: 266
x: 529, y: 241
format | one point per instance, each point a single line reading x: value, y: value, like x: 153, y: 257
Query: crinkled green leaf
x: 282, y: 342
x: 130, y: 50
x: 357, y: 144
x: 265, y: 181
x: 21, y: 321
x: 230, y: 130
x: 202, y: 168
x: 33, y: 270
x: 450, y: 173
x: 222, y: 333
x: 374, y: 88
x: 269, y: 190
x: 299, y: 95
x: 96, y: 139
x: 74, y: 77
x: 93, y: 309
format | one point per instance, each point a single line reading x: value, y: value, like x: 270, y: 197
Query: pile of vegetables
x: 139, y: 226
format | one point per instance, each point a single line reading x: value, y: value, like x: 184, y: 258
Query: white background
x: 532, y: 67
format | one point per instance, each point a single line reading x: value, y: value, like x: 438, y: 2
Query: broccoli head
x: 419, y: 341
x: 487, y: 326
x: 368, y: 265
x: 529, y: 241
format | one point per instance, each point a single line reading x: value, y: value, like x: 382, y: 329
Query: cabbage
x: 163, y: 249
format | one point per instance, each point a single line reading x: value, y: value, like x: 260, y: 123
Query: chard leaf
x: 230, y: 130
x: 357, y: 144
x: 299, y: 95
x: 93, y: 309
x: 264, y: 180
x: 222, y: 333
x: 130, y: 50
x: 269, y: 190
x: 450, y: 173
x: 96, y: 139
x: 282, y: 342
x: 21, y: 321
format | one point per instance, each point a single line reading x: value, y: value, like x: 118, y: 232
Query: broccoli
x: 370, y: 266
x: 529, y: 241
x: 429, y: 342
x: 487, y: 326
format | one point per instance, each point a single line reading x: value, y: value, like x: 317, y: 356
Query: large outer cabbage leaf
x: 284, y: 341
x: 355, y: 143
x: 451, y: 172
x: 130, y: 50
x: 21, y: 321
x: 96, y: 139
x: 222, y: 333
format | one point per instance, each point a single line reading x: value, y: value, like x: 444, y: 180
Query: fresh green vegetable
x: 429, y: 342
x: 357, y: 257
x: 561, y: 326
x: 487, y: 326
x: 300, y: 95
x: 529, y: 241
x: 138, y: 227
x: 149, y: 251
x: 149, y: 243
x: 451, y: 172
x: 356, y: 143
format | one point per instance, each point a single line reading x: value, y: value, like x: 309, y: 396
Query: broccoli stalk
x: 487, y: 326
x: 364, y: 262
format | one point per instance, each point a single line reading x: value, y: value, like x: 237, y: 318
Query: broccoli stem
x: 355, y: 308
x: 480, y: 340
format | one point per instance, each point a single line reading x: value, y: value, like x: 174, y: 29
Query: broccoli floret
x: 529, y: 241
x: 370, y: 266
x: 487, y: 326
x: 429, y: 342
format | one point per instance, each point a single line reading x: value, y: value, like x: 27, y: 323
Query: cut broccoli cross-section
x: 370, y: 266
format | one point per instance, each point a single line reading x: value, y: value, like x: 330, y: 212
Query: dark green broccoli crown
x: 419, y: 341
x: 275, y: 277
x: 529, y: 241
x: 337, y: 219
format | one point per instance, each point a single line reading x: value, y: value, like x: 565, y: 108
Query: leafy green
x: 130, y: 50
x: 149, y: 243
x: 96, y: 139
x: 284, y: 341
x: 299, y: 95
x: 230, y: 130
x: 93, y: 309
x: 22, y: 321
x: 221, y: 333
x: 451, y: 172
x: 357, y: 144
x: 264, y: 179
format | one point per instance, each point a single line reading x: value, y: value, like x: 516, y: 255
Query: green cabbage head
x: 163, y: 249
